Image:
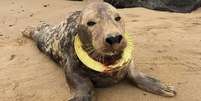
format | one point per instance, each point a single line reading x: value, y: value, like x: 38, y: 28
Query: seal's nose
x: 113, y: 39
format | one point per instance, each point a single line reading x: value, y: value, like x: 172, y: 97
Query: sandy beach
x: 167, y: 46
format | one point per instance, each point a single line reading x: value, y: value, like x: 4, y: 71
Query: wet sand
x: 167, y: 46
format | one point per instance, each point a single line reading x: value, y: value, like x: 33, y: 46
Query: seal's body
x: 58, y: 43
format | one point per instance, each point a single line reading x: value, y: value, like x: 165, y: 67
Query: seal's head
x: 101, y: 30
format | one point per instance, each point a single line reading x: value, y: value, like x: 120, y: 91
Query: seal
x: 94, y: 51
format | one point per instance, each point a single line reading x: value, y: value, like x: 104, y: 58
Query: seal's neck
x: 90, y: 60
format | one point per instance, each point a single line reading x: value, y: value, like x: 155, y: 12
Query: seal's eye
x: 91, y: 23
x: 117, y: 18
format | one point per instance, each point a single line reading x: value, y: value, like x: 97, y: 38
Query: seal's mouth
x: 106, y: 59
x: 123, y: 61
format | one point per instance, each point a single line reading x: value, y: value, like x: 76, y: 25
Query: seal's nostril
x: 112, y: 40
x: 119, y: 38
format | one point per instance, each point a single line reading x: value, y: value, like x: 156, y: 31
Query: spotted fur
x: 58, y: 43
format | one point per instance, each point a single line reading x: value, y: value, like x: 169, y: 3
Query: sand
x: 167, y: 46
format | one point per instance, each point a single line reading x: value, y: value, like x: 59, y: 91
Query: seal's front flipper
x: 81, y: 87
x: 150, y: 84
